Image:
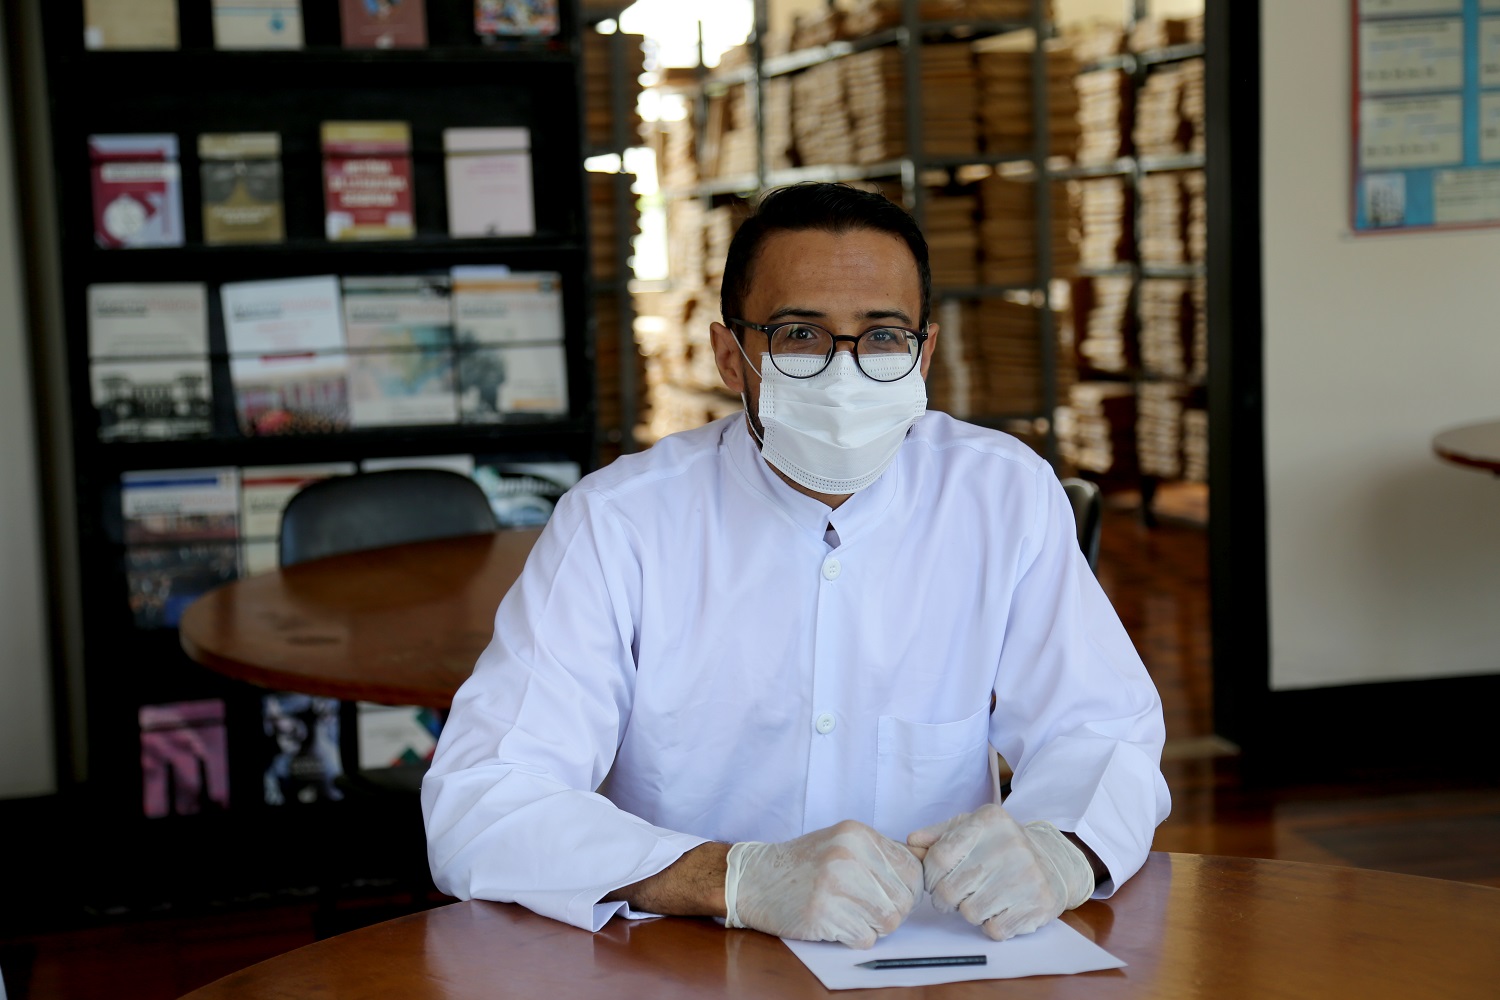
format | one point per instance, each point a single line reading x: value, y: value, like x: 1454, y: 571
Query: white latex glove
x: 842, y: 883
x: 1006, y: 878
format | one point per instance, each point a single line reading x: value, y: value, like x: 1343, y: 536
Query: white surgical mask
x: 837, y: 431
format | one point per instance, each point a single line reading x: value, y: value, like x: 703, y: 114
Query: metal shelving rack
x: 910, y: 169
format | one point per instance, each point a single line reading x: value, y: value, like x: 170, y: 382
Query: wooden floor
x: 1158, y: 580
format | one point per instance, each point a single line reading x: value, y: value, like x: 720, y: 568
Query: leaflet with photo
x: 497, y: 383
x: 184, y: 758
x: 400, y: 335
x: 168, y: 505
x: 383, y: 24
x: 489, y: 181
x: 301, y: 749
x: 523, y: 494
x: 241, y: 179
x: 153, y: 400
x: 168, y: 320
x: 287, y: 360
x: 162, y: 580
x: 537, y: 18
x: 397, y: 736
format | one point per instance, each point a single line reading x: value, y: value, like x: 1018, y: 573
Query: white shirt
x: 684, y: 626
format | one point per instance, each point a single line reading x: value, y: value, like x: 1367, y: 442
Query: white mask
x: 837, y: 431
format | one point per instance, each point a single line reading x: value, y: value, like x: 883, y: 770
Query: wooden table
x: 1476, y: 445
x: 401, y: 625
x: 1189, y: 926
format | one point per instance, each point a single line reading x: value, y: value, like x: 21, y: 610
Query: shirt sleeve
x: 510, y: 802
x: 1076, y: 715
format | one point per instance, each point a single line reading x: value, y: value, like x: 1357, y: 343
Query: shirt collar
x: 810, y: 515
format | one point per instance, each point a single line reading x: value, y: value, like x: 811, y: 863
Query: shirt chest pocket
x: 926, y: 773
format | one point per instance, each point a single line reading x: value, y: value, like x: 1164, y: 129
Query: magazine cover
x: 515, y: 17
x: 494, y: 305
x: 496, y: 383
x: 524, y: 493
x: 241, y: 175
x: 257, y: 24
x: 397, y: 736
x: 171, y: 505
x: 137, y: 191
x: 383, y: 24
x: 489, y: 181
x: 367, y: 175
x: 400, y: 335
x: 302, y: 749
x: 152, y: 400
x: 184, y: 758
x: 168, y: 320
x: 130, y: 24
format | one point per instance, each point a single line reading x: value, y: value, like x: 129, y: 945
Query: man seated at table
x: 789, y: 639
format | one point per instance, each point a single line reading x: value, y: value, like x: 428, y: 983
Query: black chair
x: 1088, y: 509
x: 367, y: 511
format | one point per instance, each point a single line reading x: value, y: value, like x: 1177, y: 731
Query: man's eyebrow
x: 798, y: 312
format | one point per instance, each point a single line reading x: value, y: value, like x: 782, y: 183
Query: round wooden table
x: 401, y: 625
x: 1476, y: 445
x: 1189, y: 926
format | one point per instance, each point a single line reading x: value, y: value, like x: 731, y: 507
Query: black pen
x: 917, y: 963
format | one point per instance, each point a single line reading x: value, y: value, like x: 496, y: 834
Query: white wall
x: 1384, y: 562
x: 26, y: 751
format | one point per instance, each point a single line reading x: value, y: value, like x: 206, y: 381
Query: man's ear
x: 929, y: 348
x: 727, y: 357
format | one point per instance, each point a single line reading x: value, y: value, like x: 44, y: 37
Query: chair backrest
x: 372, y: 509
x: 1087, y: 515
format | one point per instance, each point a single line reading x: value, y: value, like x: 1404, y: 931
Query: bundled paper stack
x: 820, y: 116
x: 1103, y: 116
x: 1005, y: 92
x: 1096, y: 40
x: 1169, y: 111
x: 817, y: 27
x: 602, y: 228
x: 1164, y: 220
x: 1158, y: 428
x: 685, y: 257
x: 950, y: 100
x: 1007, y: 231
x: 1105, y: 222
x: 1160, y: 32
x: 676, y: 155
x: 865, y: 17
x: 729, y: 134
x: 1198, y: 368
x: 599, y: 85
x: 1096, y: 430
x: 1195, y: 184
x: 953, y: 239
x: 1167, y: 324
x: 607, y: 358
x: 776, y: 114
x: 1195, y: 445
x: 719, y: 225
x: 1002, y: 348
x: 876, y: 104
x: 1102, y: 323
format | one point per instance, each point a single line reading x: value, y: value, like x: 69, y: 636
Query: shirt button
x: 831, y: 569
x: 826, y: 723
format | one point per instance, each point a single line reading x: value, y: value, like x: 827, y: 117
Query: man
x: 790, y: 638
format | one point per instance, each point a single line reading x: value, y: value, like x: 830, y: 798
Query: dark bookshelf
x: 459, y: 81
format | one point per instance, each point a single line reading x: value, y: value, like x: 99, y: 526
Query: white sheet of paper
x: 1055, y: 950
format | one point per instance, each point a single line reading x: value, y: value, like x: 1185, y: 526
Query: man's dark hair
x: 833, y: 208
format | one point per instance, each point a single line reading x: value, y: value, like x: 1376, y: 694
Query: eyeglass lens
x: 803, y: 340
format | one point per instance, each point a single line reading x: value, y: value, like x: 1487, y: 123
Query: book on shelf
x: 264, y: 493
x: 496, y: 383
x: 241, y: 175
x: 400, y: 336
x: 148, y: 361
x: 367, y: 180
x: 181, y: 533
x: 522, y: 18
x: 257, y: 24
x: 489, y: 181
x: 383, y: 24
x: 524, y: 493
x: 130, y: 24
x: 286, y: 355
x: 396, y: 735
x: 137, y: 186
x: 184, y: 758
x: 301, y: 749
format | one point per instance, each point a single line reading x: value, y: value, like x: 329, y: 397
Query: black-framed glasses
x: 802, y: 350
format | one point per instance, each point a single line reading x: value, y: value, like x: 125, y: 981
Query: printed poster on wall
x: 1426, y: 114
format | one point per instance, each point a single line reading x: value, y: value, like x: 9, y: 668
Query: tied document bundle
x: 1055, y: 949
